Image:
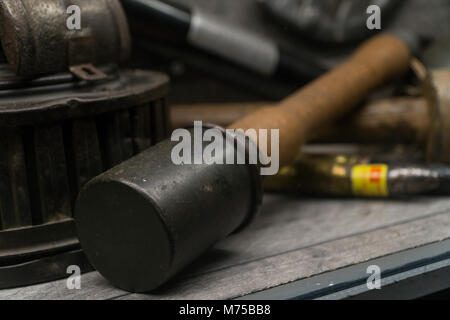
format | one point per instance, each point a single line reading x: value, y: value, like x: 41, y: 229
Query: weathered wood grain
x: 288, y: 223
x: 292, y: 239
x: 272, y: 271
x: 94, y: 287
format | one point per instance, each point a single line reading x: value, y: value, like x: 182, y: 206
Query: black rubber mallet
x: 145, y: 220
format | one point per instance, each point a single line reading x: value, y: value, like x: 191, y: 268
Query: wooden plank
x: 241, y: 279
x: 292, y: 239
x: 289, y: 223
x: 94, y: 287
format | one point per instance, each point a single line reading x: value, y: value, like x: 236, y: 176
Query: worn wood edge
x: 267, y: 272
x: 274, y: 271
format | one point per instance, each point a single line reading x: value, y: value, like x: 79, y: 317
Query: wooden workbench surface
x: 292, y: 239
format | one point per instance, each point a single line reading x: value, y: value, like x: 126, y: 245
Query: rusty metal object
x: 163, y: 216
x: 67, y: 114
x: 358, y: 176
x: 36, y: 39
x: 56, y: 136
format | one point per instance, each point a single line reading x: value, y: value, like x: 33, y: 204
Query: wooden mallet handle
x: 376, y: 62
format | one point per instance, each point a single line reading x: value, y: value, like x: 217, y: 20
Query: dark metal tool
x: 146, y: 219
x: 53, y: 140
x: 229, y: 42
x: 57, y: 132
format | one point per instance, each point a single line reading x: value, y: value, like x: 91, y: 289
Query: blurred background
x: 319, y: 32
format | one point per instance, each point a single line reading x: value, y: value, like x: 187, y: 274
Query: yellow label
x: 370, y: 180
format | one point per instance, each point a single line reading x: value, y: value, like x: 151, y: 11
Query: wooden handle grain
x: 331, y: 96
x: 398, y: 120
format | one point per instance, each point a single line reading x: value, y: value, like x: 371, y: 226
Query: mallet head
x: 143, y: 221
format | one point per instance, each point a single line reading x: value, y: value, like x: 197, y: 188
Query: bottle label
x: 370, y: 180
